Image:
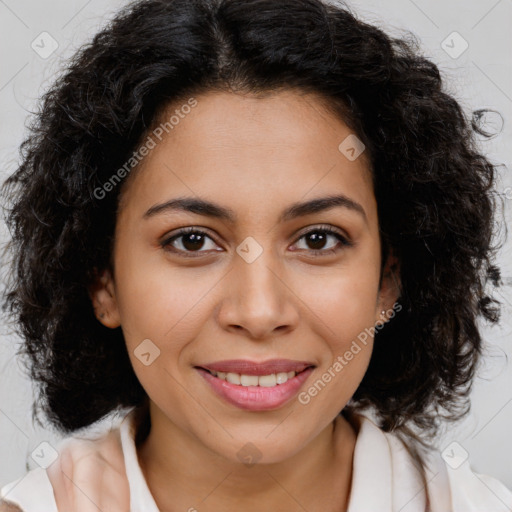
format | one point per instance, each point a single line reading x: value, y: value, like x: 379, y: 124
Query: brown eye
x: 188, y: 240
x: 316, y: 240
x: 192, y: 241
x: 323, y: 241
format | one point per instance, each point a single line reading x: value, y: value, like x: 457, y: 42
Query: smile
x: 253, y: 380
x: 255, y: 387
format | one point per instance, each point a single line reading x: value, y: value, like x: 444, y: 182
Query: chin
x: 261, y: 449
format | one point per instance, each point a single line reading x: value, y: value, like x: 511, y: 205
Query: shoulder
x: 471, y: 491
x: 34, y: 492
x: 385, y: 463
x: 31, y: 493
x: 6, y: 506
x: 453, y: 485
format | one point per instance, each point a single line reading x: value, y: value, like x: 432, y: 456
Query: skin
x: 255, y: 156
x: 90, y: 475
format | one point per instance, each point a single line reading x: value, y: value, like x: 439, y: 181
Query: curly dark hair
x: 434, y: 192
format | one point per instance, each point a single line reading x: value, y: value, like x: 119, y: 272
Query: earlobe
x: 103, y: 298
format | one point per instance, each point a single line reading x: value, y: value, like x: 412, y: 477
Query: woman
x: 250, y: 222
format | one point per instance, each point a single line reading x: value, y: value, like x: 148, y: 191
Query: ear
x: 103, y: 297
x: 389, y: 291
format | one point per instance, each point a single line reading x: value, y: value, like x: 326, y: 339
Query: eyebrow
x: 209, y: 209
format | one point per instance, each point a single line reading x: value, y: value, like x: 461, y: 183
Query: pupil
x: 318, y: 240
x: 193, y: 241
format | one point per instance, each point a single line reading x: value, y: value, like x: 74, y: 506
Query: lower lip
x: 256, y: 398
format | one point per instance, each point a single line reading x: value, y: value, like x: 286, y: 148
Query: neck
x: 183, y: 474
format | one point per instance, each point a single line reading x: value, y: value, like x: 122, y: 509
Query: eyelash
x: 166, y: 244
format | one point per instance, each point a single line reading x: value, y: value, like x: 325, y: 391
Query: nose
x: 258, y: 300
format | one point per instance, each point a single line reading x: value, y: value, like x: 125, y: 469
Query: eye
x: 318, y: 238
x: 189, y: 240
x: 192, y: 240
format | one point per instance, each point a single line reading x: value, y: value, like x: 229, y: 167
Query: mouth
x: 256, y: 386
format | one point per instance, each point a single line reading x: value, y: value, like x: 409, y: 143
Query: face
x: 256, y: 288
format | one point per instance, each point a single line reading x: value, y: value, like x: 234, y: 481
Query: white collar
x: 384, y: 477
x: 141, y: 499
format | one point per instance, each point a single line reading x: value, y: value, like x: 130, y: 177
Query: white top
x: 384, y: 479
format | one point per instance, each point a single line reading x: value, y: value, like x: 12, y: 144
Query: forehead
x: 250, y: 148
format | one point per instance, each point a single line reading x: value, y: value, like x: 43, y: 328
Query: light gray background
x: 480, y: 78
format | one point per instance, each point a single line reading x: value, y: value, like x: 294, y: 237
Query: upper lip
x: 246, y: 367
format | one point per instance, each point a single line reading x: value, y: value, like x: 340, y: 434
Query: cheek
x: 160, y: 312
x: 342, y: 305
x: 344, y: 309
x: 154, y: 301
x: 343, y: 301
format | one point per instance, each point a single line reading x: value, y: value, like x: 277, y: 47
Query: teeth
x: 282, y: 377
x: 268, y: 381
x: 249, y: 380
x: 255, y: 380
x: 234, y: 378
